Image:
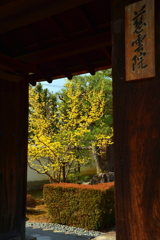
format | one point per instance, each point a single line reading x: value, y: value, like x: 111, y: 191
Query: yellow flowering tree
x: 55, y: 134
x: 101, y: 130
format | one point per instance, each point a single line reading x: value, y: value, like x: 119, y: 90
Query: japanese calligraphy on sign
x: 139, y: 40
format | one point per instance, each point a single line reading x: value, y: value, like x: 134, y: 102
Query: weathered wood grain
x: 137, y: 141
x: 27, y: 12
x: 13, y: 157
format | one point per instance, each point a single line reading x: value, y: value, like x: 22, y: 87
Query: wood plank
x: 136, y: 140
x: 17, y: 6
x: 30, y: 13
x: 107, y: 54
x: 10, y: 77
x: 13, y: 158
x: 61, y: 66
x: 140, y: 40
x: 86, y: 64
x: 90, y: 26
x: 69, y: 49
x: 13, y: 64
x: 44, y: 74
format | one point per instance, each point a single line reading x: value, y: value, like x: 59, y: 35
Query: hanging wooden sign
x: 140, y: 40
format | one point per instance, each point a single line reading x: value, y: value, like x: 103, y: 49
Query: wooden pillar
x: 13, y: 158
x: 137, y: 139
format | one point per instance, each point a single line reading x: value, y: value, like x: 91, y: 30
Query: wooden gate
x: 13, y: 155
x: 137, y: 139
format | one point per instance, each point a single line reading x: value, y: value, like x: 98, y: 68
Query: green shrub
x: 85, y: 206
x: 77, y: 178
x: 73, y: 177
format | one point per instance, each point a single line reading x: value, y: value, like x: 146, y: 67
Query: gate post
x: 13, y: 158
x: 136, y: 140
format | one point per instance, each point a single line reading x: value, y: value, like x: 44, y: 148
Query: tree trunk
x: 64, y: 173
x: 59, y: 175
x: 100, y: 160
x: 79, y: 167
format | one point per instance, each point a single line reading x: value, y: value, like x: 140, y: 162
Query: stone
x: 94, y: 180
x: 102, y: 178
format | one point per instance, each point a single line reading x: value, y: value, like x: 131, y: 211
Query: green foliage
x: 103, y: 126
x: 63, y: 127
x: 73, y: 178
x: 89, y: 207
x: 77, y: 178
x: 57, y: 135
x: 37, y: 194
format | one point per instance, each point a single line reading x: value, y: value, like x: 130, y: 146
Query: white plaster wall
x: 34, y: 176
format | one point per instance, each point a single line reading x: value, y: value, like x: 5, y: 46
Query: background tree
x: 101, y: 130
x: 47, y: 100
x: 57, y: 129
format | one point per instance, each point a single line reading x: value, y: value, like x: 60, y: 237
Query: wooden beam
x: 86, y: 64
x: 69, y: 49
x: 44, y: 74
x: 17, y: 6
x: 10, y: 77
x: 57, y: 27
x: 107, y: 53
x: 90, y: 26
x: 61, y: 27
x: 79, y: 69
x: 31, y: 12
x: 104, y: 25
x: 12, y: 64
x: 61, y: 66
x: 42, y: 44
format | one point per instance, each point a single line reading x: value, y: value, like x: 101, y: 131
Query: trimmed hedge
x: 85, y: 206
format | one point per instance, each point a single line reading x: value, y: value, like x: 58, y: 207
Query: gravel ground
x: 64, y: 229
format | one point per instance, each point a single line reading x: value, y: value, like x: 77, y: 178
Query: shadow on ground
x: 46, y: 234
